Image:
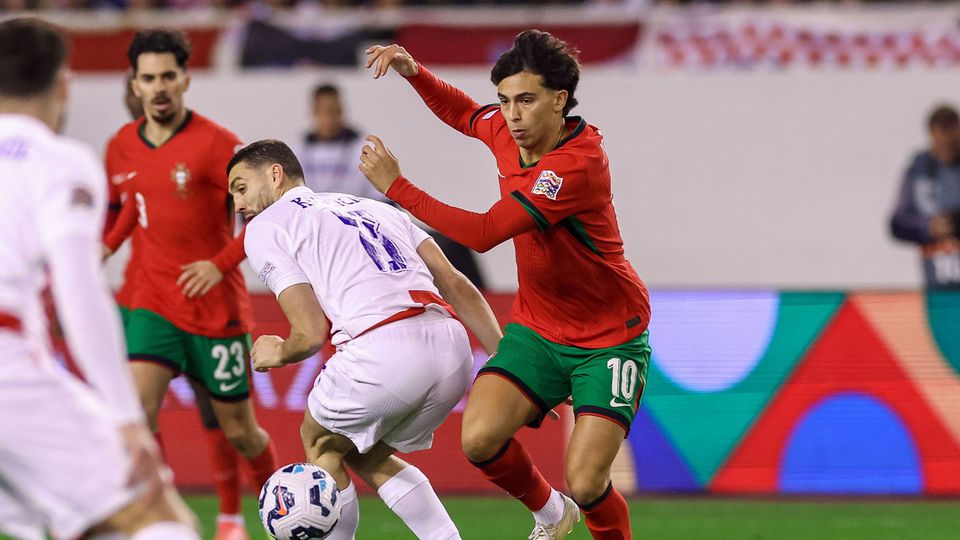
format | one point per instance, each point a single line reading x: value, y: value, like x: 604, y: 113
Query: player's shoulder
x: 487, y: 114
x: 71, y: 154
x: 128, y: 133
x: 203, y: 124
x: 581, y: 150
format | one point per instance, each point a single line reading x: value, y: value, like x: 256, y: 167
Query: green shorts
x: 220, y: 364
x: 605, y: 382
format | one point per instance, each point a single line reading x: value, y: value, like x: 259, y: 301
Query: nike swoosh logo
x: 499, y: 174
x: 224, y: 387
x: 121, y: 178
x: 614, y: 403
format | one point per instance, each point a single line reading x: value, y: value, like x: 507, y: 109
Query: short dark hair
x: 268, y: 152
x: 325, y: 89
x: 943, y: 116
x: 159, y: 40
x: 545, y: 55
x: 31, y: 54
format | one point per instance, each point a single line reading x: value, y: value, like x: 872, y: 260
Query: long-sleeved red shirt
x: 576, y: 286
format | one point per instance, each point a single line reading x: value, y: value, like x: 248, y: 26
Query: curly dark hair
x: 541, y: 53
x: 31, y: 53
x: 159, y: 40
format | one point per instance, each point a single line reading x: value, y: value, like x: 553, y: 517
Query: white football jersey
x: 359, y: 255
x: 52, y: 187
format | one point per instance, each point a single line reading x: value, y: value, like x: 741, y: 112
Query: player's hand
x: 106, y: 252
x: 391, y: 55
x: 267, y: 353
x: 198, y: 278
x: 146, y: 464
x: 379, y: 164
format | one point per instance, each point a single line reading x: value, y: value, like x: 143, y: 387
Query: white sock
x: 166, y: 530
x: 236, y: 519
x: 411, y: 497
x: 346, y: 528
x: 552, y: 511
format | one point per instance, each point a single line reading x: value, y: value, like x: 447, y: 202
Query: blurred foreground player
x: 189, y: 308
x: 74, y: 459
x: 581, y: 312
x: 360, y: 272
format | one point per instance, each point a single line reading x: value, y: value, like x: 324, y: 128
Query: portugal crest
x: 181, y: 176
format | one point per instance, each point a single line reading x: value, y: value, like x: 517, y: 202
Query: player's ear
x: 276, y: 174
x: 186, y: 81
x: 561, y: 100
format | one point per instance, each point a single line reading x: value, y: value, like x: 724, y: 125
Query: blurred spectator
x: 928, y: 208
x: 330, y: 152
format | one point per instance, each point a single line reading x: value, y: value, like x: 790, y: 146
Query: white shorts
x: 63, y: 466
x: 394, y: 384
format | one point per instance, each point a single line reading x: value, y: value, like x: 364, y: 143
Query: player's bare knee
x: 586, y: 488
x: 480, y: 444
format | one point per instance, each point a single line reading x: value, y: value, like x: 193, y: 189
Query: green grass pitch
x: 489, y: 518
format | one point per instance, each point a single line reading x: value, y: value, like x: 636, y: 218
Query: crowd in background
x: 19, y: 5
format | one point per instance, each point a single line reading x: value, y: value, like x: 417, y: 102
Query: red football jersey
x: 576, y: 286
x: 178, y: 194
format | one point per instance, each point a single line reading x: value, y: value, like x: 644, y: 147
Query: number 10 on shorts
x: 623, y: 387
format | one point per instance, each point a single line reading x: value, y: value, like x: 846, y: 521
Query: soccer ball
x: 300, y: 502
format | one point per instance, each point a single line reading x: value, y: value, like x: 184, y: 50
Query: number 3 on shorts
x: 623, y: 386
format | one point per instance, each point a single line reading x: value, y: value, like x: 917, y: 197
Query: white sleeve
x: 70, y: 206
x: 417, y: 234
x: 268, y: 252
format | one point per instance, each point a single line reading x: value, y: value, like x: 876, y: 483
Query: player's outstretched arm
x: 479, y: 232
x: 466, y: 300
x: 447, y: 102
x: 308, y: 330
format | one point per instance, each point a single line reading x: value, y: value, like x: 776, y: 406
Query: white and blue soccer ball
x: 300, y: 502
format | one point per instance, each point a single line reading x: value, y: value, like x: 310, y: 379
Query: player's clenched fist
x: 379, y: 164
x: 267, y: 353
x: 391, y: 55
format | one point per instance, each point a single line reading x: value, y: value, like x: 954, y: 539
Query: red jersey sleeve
x: 231, y: 255
x: 114, y: 203
x: 453, y: 106
x: 479, y: 232
x: 224, y: 148
x: 562, y: 188
x: 123, y: 226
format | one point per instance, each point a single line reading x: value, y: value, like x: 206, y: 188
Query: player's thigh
x: 221, y: 365
x: 517, y: 386
x: 204, y: 407
x: 609, y: 382
x: 325, y: 448
x: 157, y: 354
x: 60, y: 425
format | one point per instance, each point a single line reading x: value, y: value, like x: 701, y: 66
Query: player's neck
x: 38, y: 108
x: 158, y: 133
x: 534, y: 154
